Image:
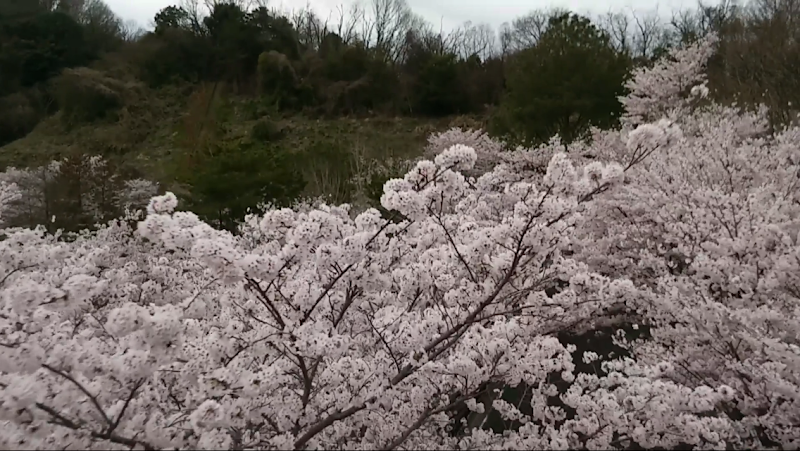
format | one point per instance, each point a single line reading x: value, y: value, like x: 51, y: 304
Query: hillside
x: 154, y: 133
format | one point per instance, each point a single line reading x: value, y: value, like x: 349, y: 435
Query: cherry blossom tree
x: 73, y: 190
x: 9, y: 192
x: 319, y: 328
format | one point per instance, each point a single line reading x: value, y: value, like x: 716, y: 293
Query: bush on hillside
x: 567, y: 83
x: 173, y: 56
x: 18, y: 116
x: 240, y: 176
x: 266, y: 131
x: 276, y: 78
x: 37, y: 46
x: 85, y: 95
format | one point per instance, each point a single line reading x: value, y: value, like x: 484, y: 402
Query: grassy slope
x: 147, y: 132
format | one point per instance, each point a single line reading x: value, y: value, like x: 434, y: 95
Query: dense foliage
x: 316, y: 328
x: 234, y: 181
x: 380, y: 57
x: 548, y: 91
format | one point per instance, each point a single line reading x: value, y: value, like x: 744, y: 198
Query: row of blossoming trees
x: 71, y: 194
x: 314, y: 329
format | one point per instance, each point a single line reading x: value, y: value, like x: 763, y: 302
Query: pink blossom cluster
x: 319, y: 328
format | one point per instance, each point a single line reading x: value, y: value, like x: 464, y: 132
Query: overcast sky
x: 448, y: 13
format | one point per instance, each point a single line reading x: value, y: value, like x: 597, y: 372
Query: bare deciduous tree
x: 131, y: 31
x: 525, y: 31
x: 648, y: 34
x: 310, y: 28
x: 344, y: 22
x: 692, y: 24
x: 474, y: 39
x: 97, y: 14
x: 617, y: 26
x: 347, y: 22
x: 386, y: 25
x: 195, y: 13
x: 637, y: 34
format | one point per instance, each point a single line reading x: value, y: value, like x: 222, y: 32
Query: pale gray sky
x: 448, y: 13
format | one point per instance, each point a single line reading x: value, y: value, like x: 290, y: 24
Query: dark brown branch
x: 132, y: 394
x: 13, y: 271
x: 385, y: 343
x: 352, y: 294
x: 86, y: 392
x: 61, y: 420
x: 329, y: 286
x: 194, y: 298
x: 264, y: 297
x: 329, y: 420
x: 455, y: 247
x: 409, y: 430
x: 471, y: 318
x: 427, y: 413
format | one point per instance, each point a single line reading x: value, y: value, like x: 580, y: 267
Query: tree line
x: 550, y: 71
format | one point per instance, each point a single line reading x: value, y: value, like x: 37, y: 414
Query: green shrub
x: 436, y: 90
x: 18, y: 116
x: 266, y: 130
x: 239, y: 177
x: 277, y: 79
x: 38, y: 46
x: 170, y: 57
x: 85, y: 95
x: 567, y: 83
